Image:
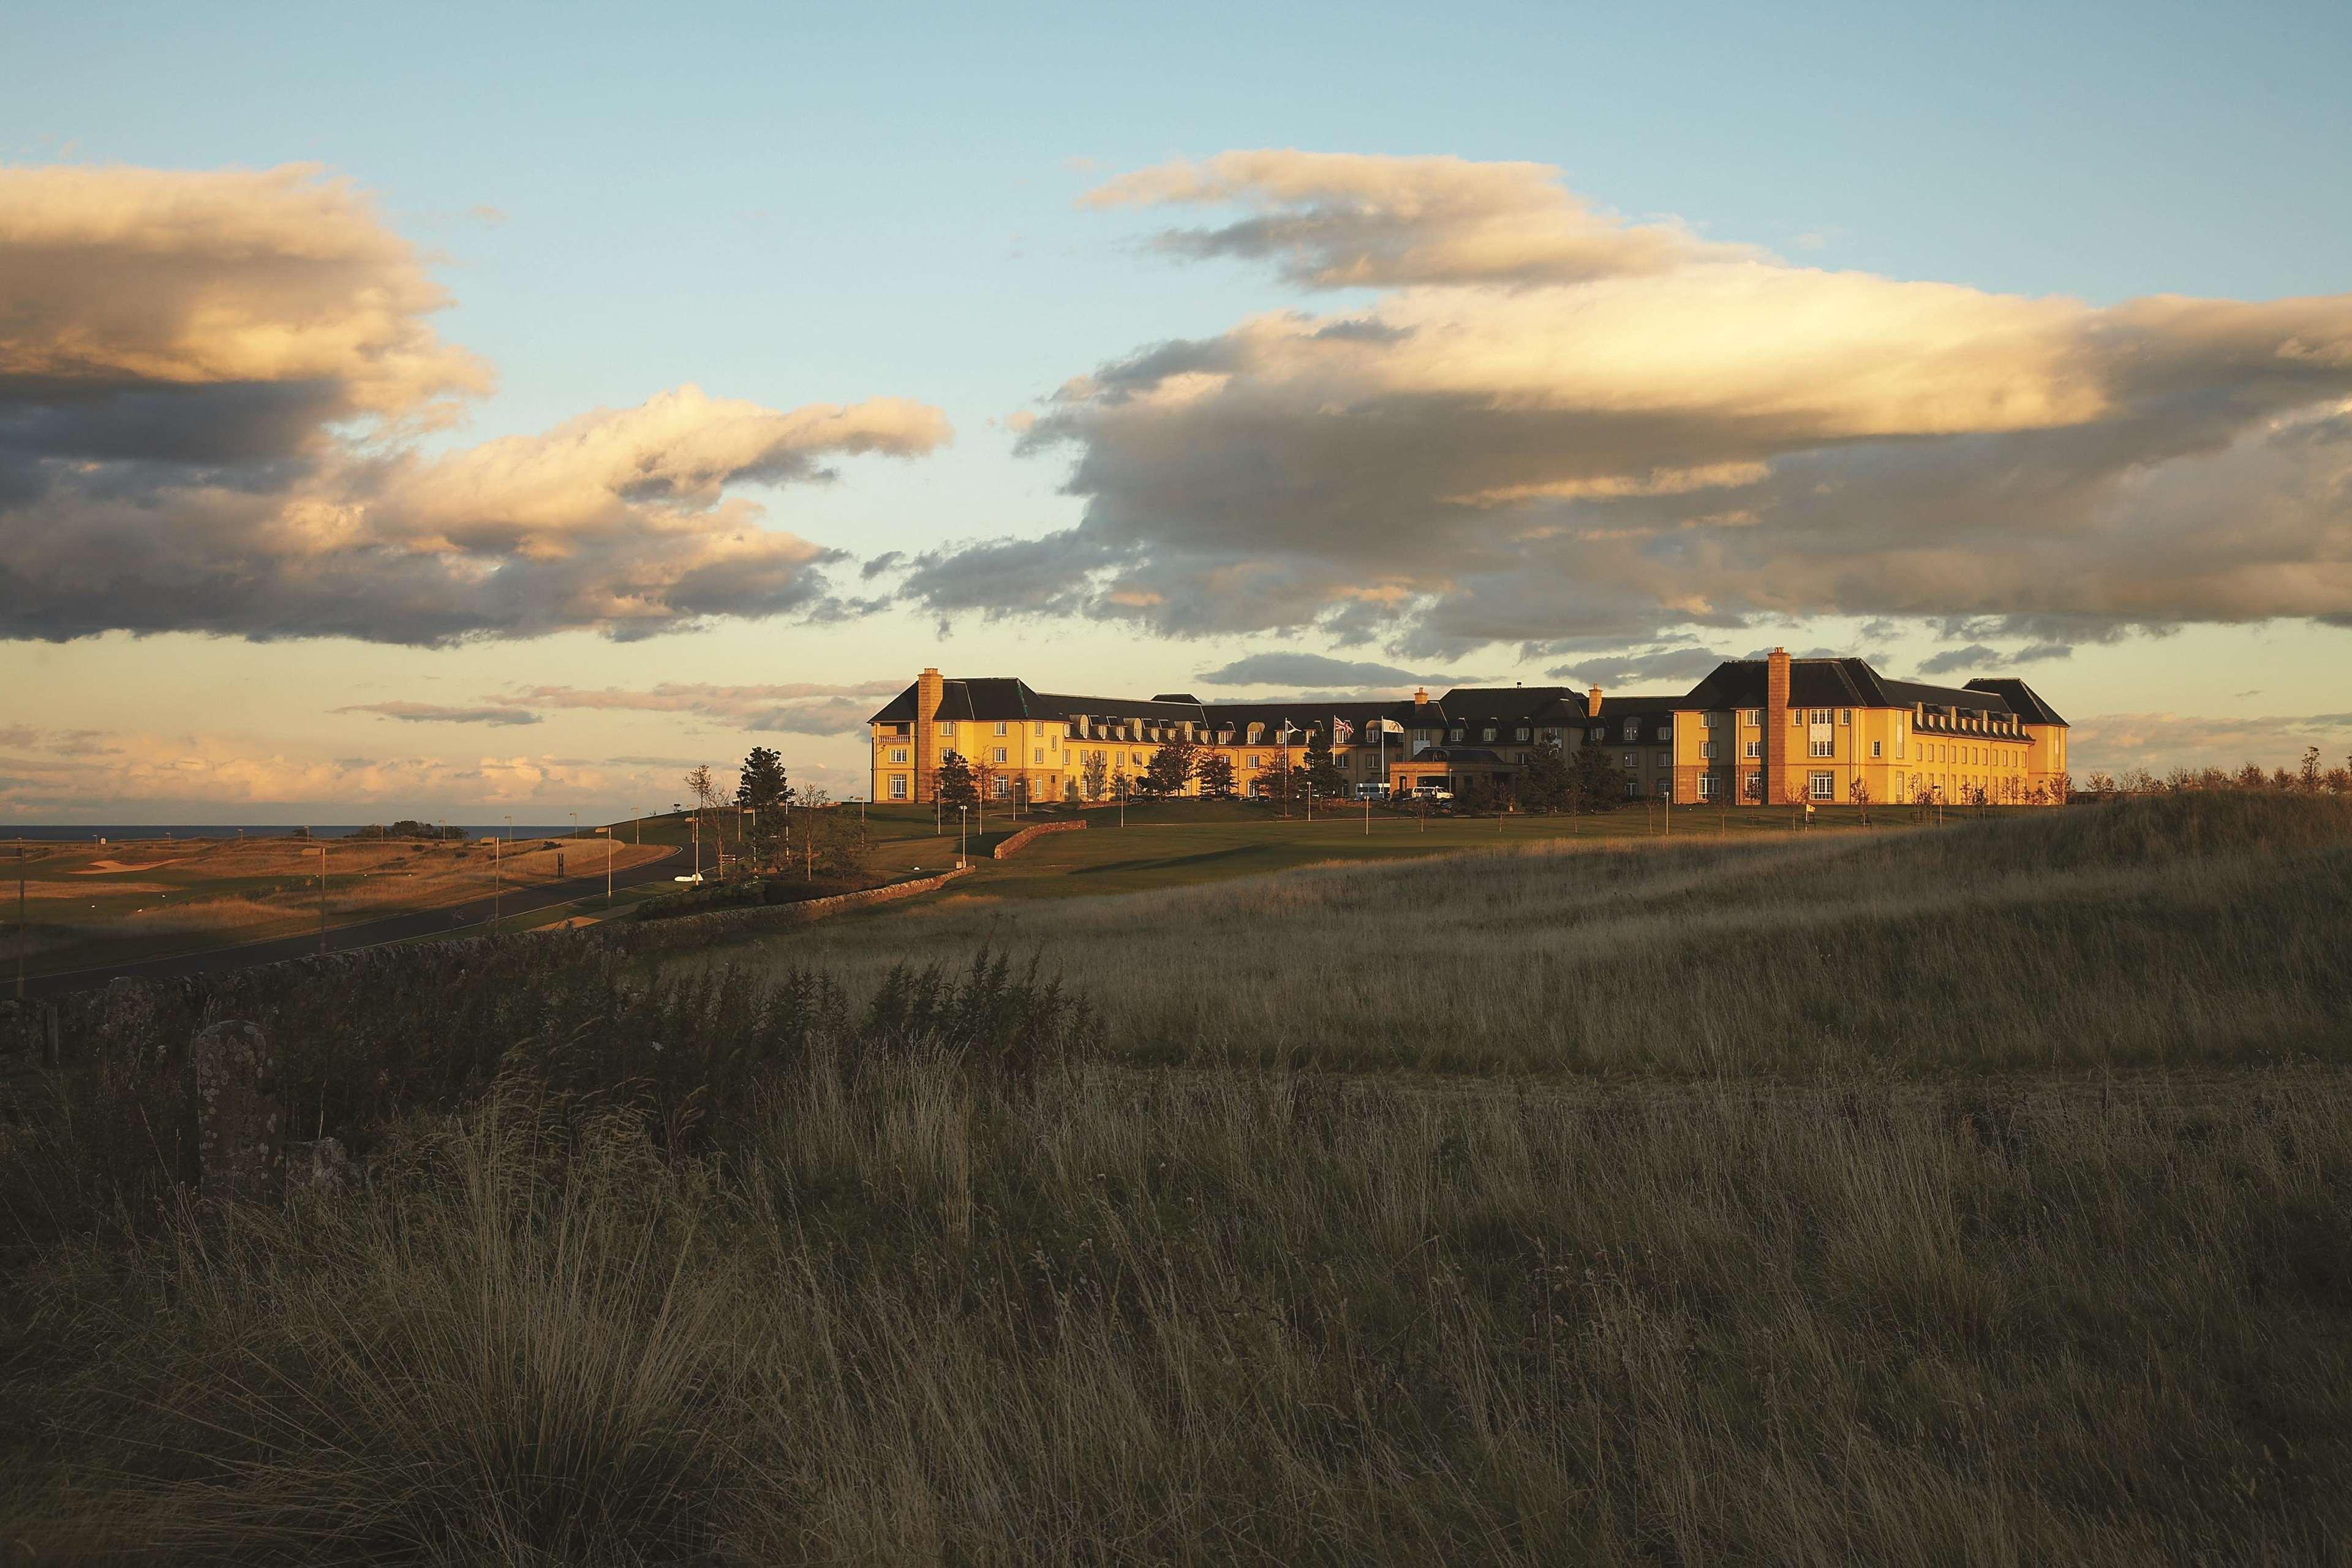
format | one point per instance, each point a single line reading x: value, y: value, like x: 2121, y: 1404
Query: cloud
x: 432, y: 713
x: 1339, y: 220
x: 136, y: 774
x: 1295, y: 670
x: 1612, y: 432
x: 798, y: 708
x: 1683, y: 665
x: 211, y: 384
x: 2162, y: 741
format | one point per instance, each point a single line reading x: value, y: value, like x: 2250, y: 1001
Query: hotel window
x: 1631, y: 761
x: 1036, y: 754
x: 1633, y: 788
x: 1000, y: 755
x: 999, y: 729
x: 1665, y: 789
x: 1706, y: 786
x: 1552, y: 737
x: 1752, y: 750
x: 1796, y: 718
x: 1878, y: 750
x: 1521, y: 733
x: 1487, y: 733
x: 1632, y: 729
x: 1707, y: 720
x: 1599, y: 733
x: 1825, y: 746
x: 1821, y: 716
x: 1004, y: 785
x: 1753, y: 716
x: 1665, y: 759
x: 898, y: 786
x: 1256, y: 762
x: 1823, y: 786
x: 1756, y: 787
x: 1520, y: 758
x: 1706, y: 749
x: 898, y: 753
x: 948, y: 730
x: 1665, y: 733
x: 1845, y: 715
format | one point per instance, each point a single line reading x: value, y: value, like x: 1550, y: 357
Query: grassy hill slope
x: 2179, y: 930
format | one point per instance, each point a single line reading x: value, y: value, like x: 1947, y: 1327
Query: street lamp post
x: 962, y: 837
x: 322, y: 896
x: 608, y: 863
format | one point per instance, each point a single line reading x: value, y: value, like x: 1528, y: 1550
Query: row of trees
x: 777, y: 828
x: 2312, y: 777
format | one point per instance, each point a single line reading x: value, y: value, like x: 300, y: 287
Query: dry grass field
x: 1808, y: 1203
x: 87, y: 904
x: 2146, y: 933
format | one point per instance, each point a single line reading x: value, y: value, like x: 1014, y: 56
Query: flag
x: 1390, y: 726
x: 1342, y: 732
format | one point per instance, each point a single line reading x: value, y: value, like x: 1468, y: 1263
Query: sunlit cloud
x: 211, y: 383
x: 1550, y: 424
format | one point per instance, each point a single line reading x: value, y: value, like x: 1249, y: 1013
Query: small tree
x: 2309, y: 778
x: 1545, y: 784
x: 955, y: 784
x: 762, y: 788
x: 1171, y: 768
x: 1216, y: 775
x: 1095, y: 773
x: 1323, y: 768
x: 1600, y: 781
x: 985, y: 775
x: 1859, y: 793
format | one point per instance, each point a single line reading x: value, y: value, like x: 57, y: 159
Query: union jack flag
x: 1342, y: 732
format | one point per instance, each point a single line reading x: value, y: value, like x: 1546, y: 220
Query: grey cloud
x: 209, y: 387
x: 1683, y: 664
x: 434, y: 713
x: 1620, y: 459
x: 1310, y: 669
x: 1976, y: 656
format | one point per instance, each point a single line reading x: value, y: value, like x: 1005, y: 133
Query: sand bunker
x: 108, y: 867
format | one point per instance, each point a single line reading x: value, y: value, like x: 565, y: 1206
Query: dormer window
x: 1520, y: 734
x: 1487, y: 733
x: 1632, y: 729
x: 1456, y: 733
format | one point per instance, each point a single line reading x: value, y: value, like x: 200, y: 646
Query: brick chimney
x: 1779, y: 781
x: 929, y: 690
x: 1592, y: 702
x: 1421, y: 697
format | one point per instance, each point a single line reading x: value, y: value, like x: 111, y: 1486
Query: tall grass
x: 2168, y: 931
x: 909, y: 1315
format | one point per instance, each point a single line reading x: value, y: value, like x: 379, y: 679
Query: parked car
x: 690, y: 877
x: 1432, y: 793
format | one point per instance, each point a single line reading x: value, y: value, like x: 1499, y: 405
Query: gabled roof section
x: 2022, y: 700
x: 1829, y: 683
x: 1518, y: 704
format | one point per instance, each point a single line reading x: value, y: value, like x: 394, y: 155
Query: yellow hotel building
x: 1763, y: 731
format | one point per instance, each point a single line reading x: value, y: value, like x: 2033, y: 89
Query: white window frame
x: 898, y: 786
x: 1823, y: 747
x: 1820, y: 784
x: 1752, y: 751
x: 1706, y: 786
x: 1000, y: 758
x: 1000, y: 726
x: 898, y: 755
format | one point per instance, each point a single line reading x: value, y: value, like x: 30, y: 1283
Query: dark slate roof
x: 1826, y: 683
x: 1516, y: 704
x: 1160, y: 709
x: 987, y: 699
x: 1457, y: 754
x: 2022, y: 700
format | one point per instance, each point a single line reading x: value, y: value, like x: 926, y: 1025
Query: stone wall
x: 1004, y: 851
x: 726, y: 925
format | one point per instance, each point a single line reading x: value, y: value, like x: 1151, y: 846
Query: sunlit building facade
x: 1766, y: 732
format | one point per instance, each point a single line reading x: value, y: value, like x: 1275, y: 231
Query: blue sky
x: 789, y: 205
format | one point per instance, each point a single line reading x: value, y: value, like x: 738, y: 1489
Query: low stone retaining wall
x: 725, y: 925
x: 1006, y: 848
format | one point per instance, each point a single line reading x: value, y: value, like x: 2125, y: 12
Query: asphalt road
x: 448, y: 919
